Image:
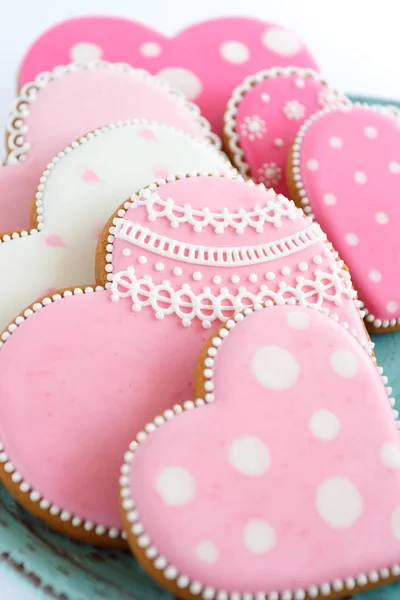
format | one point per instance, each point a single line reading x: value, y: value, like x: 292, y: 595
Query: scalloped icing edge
x: 17, y: 130
x: 35, y: 496
x: 294, y: 168
x: 143, y: 540
x: 229, y: 122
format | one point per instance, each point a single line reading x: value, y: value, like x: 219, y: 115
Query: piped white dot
x: 177, y: 271
x: 336, y: 142
x: 150, y: 49
x: 126, y: 252
x: 312, y: 164
x: 197, y: 276
x: 360, y: 177
x: 329, y: 199
x: 392, y: 307
x: 375, y: 275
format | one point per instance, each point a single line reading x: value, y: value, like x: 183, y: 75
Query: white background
x: 356, y: 43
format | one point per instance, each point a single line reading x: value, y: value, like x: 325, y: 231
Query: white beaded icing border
x: 41, y: 188
x: 229, y: 124
x: 143, y: 540
x: 17, y: 129
x: 17, y: 477
x: 298, y: 182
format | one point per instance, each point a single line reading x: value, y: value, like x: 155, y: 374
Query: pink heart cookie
x: 82, y: 373
x: 345, y: 171
x: 263, y: 117
x: 266, y: 485
x: 60, y: 106
x: 234, y: 47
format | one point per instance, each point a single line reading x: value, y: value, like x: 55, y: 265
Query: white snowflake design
x: 328, y: 97
x: 253, y: 128
x: 294, y: 110
x: 270, y: 174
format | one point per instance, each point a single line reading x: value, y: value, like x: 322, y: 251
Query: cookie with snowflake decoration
x: 59, y: 106
x: 345, y: 172
x: 260, y: 488
x: 83, y: 370
x: 264, y: 115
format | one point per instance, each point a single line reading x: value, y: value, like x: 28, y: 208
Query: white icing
x: 258, y: 536
x: 85, y: 51
x: 324, y: 425
x: 339, y: 502
x: 375, y: 275
x: 390, y: 455
x: 150, y: 49
x: 183, y: 80
x: 274, y: 212
x: 382, y: 218
x: 75, y: 210
x: 234, y: 52
x: 282, y: 41
x: 176, y: 486
x: 249, y: 456
x: 352, y: 239
x: 275, y: 368
x: 207, y: 552
x: 344, y: 363
x: 330, y: 199
x: 299, y: 320
x: 395, y: 523
x: 360, y: 177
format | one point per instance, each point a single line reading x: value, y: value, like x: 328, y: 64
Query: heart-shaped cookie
x: 205, y: 61
x: 265, y: 486
x: 82, y: 373
x: 60, y: 106
x: 345, y: 171
x: 79, y: 190
x: 263, y: 116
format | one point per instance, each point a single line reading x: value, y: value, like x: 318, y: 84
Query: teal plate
x: 63, y: 569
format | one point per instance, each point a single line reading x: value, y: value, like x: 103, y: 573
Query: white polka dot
x: 313, y: 164
x: 177, y: 271
x: 253, y: 278
x: 375, y: 275
x: 234, y: 52
x: 390, y: 455
x: 381, y: 218
x: 85, y: 51
x: 278, y: 142
x: 126, y: 252
x: 339, y: 502
x: 176, y: 486
x: 160, y: 266
x: 352, y: 239
x: 299, y: 82
x: 265, y: 97
x: 275, y: 368
x: 281, y: 41
x: 249, y: 455
x: 344, y: 363
x: 360, y: 177
x: 299, y: 319
x: 335, y: 142
x: 394, y: 167
x: 371, y: 132
x: 197, y: 276
x: 150, y: 49
x: 395, y: 522
x: 324, y: 425
x: 259, y: 536
x: 392, y: 307
x: 217, y: 279
x: 207, y: 552
x: 142, y: 260
x: 329, y: 199
x: 183, y: 80
x: 235, y: 278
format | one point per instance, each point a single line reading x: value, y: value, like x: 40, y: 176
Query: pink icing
x: 90, y: 176
x: 142, y: 359
x: 73, y: 105
x: 266, y: 118
x: 54, y: 241
x: 352, y: 187
x: 273, y: 486
x: 234, y: 47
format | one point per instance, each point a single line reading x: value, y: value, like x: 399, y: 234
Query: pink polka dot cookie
x: 182, y: 257
x: 260, y: 488
x: 234, y: 47
x: 59, y: 106
x: 345, y: 171
x: 263, y: 117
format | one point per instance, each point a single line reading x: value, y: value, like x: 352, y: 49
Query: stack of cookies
x: 185, y: 360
